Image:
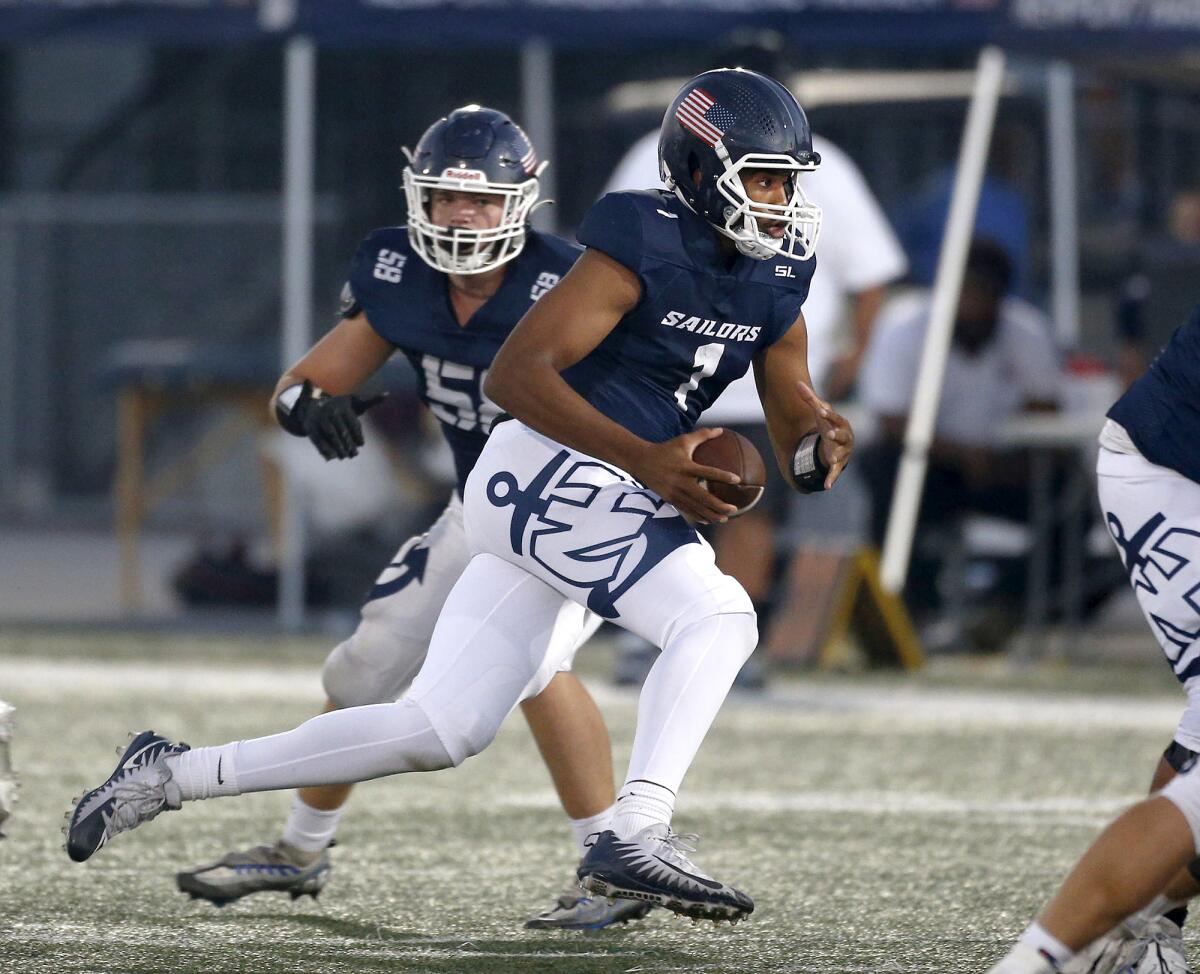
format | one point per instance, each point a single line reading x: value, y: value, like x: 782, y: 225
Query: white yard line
x: 998, y: 708
x: 45, y: 679
x: 1081, y: 808
x: 897, y: 707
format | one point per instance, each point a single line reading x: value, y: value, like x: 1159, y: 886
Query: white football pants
x: 378, y: 662
x: 552, y: 532
x: 1153, y: 515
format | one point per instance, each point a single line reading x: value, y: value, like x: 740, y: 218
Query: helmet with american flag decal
x: 472, y: 150
x: 727, y: 122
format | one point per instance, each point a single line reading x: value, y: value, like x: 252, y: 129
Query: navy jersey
x: 701, y: 320
x: 408, y: 303
x: 1161, y: 410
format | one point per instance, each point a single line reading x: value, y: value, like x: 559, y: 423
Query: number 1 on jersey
x: 707, y: 359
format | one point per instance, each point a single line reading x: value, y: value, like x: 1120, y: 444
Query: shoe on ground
x: 654, y: 867
x: 138, y: 789
x: 278, y: 868
x: 1104, y: 955
x: 1159, y: 950
x: 576, y: 910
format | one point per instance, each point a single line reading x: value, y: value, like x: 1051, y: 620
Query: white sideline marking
x: 1075, y: 807
x: 364, y: 946
x: 928, y: 706
x: 49, y: 679
x: 871, y: 706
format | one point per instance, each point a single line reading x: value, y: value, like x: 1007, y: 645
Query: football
x: 733, y: 452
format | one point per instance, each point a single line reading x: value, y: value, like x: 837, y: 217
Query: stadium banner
x: 201, y: 22
x: 1050, y: 26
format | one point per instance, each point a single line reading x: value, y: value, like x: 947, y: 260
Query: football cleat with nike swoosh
x: 139, y: 788
x: 278, y: 868
x: 653, y: 866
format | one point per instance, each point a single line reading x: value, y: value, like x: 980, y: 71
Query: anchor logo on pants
x: 1156, y: 556
x: 590, y: 525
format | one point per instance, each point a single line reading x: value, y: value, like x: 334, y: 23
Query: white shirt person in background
x: 1002, y: 361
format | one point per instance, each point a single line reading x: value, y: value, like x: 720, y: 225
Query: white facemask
x: 462, y: 250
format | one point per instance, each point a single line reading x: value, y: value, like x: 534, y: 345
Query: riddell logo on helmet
x: 467, y: 175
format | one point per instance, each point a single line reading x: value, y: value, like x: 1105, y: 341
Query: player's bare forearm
x: 794, y: 411
x: 777, y: 369
x: 565, y: 325
x: 340, y: 362
x: 541, y: 399
x: 789, y: 420
x: 321, y: 406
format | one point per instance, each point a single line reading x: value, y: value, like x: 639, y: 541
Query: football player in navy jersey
x: 1125, y: 896
x: 445, y: 291
x: 587, y: 499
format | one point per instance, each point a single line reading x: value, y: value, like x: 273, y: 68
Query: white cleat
x: 1104, y: 955
x: 277, y: 868
x: 1138, y: 946
x: 654, y: 867
x: 576, y: 910
x: 1159, y: 950
x: 138, y: 789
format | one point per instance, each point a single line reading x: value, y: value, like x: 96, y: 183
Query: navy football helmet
x: 473, y: 150
x: 729, y: 121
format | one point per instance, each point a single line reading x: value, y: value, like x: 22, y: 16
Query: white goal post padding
x: 972, y: 160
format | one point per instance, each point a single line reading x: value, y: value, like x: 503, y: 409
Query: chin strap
x: 753, y: 248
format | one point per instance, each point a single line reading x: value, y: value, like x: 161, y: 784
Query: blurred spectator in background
x: 858, y: 255
x: 1002, y: 216
x: 1001, y: 362
x: 354, y: 523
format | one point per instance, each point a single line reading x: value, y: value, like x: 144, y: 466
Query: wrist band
x: 285, y: 404
x: 808, y: 469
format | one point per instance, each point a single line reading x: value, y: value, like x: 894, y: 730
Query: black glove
x: 331, y: 422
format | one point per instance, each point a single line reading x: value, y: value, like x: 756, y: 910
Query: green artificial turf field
x: 881, y: 824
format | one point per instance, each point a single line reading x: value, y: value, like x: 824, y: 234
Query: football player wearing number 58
x: 445, y: 291
x: 587, y: 499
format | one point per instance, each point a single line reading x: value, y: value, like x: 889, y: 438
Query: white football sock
x: 1023, y: 959
x: 683, y: 693
x: 205, y: 772
x: 583, y: 829
x: 641, y: 804
x: 310, y: 829
x: 1041, y: 940
x: 340, y: 747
